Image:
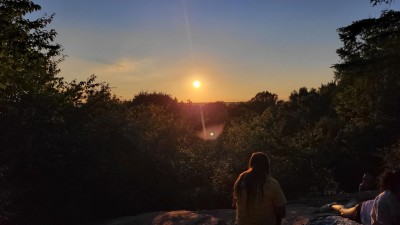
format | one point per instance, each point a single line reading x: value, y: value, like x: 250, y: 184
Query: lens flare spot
x: 211, y: 132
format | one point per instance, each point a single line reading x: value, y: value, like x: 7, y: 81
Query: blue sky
x: 236, y: 48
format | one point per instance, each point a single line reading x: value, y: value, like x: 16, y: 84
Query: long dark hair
x: 389, y: 180
x: 253, y: 180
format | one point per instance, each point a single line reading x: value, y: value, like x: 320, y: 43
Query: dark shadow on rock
x: 183, y: 217
x: 180, y: 217
x: 331, y: 220
x: 300, y: 212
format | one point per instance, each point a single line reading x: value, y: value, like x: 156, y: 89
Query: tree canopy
x: 367, y: 75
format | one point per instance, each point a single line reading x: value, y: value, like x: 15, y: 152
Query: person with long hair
x: 258, y: 197
x: 383, y: 210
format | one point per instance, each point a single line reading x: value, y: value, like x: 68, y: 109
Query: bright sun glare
x: 196, y: 84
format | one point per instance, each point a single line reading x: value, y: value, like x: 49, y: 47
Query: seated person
x: 383, y: 210
x: 258, y: 197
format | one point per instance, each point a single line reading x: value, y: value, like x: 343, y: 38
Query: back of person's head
x: 254, y: 179
x: 259, y: 163
x: 390, y: 180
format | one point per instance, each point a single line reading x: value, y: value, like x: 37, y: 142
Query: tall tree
x: 368, y: 91
x: 29, y: 104
x: 368, y: 74
x: 28, y: 56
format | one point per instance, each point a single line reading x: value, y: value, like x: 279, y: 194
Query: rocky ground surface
x: 300, y: 212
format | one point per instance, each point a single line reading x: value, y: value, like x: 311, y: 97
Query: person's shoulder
x: 385, y: 195
x: 276, y: 190
x: 386, y: 198
x: 272, y: 181
x: 380, y: 196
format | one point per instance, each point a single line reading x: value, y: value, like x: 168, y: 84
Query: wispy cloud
x: 127, y: 66
x: 117, y: 71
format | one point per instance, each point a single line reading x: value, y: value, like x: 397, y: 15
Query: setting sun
x: 196, y: 84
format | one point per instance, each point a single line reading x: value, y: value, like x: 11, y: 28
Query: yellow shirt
x: 261, y: 211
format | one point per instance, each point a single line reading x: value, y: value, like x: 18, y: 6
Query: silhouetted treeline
x: 71, y: 152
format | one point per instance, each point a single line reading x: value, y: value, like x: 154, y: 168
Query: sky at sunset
x: 235, y: 48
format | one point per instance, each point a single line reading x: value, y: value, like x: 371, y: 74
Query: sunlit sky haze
x: 235, y: 48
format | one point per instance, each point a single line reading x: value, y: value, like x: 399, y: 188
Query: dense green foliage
x: 72, y: 152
